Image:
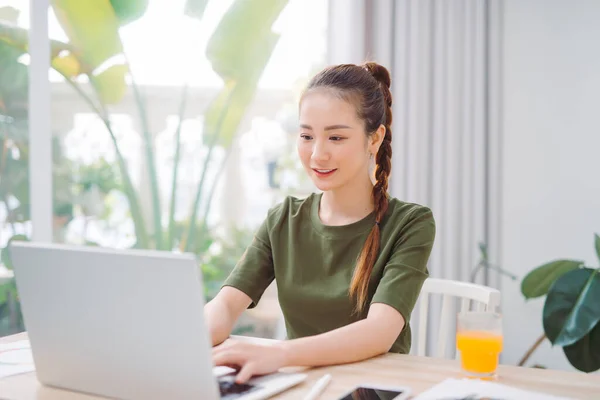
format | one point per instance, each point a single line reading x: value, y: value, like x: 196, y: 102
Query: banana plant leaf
x: 63, y: 58
x: 129, y: 10
x: 93, y: 29
x: 104, y: 82
x: 572, y: 307
x: 585, y: 353
x: 538, y: 281
x: 226, y: 112
x: 16, y: 39
x: 238, y: 51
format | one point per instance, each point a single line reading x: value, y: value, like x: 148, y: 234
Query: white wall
x: 551, y: 152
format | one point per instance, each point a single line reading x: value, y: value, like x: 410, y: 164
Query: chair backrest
x: 484, y: 298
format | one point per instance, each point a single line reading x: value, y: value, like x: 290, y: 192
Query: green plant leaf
x: 195, y: 8
x: 537, y: 282
x: 7, y: 290
x: 129, y: 10
x: 585, y: 353
x: 572, y: 307
x: 235, y: 40
x: 62, y: 55
x: 225, y: 113
x: 239, y: 50
x: 483, y: 250
x: 93, y: 29
x: 104, y: 82
x: 597, y: 237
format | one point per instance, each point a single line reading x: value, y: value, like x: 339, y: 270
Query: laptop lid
x: 118, y: 323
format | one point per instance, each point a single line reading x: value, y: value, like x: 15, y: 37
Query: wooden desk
x: 419, y: 373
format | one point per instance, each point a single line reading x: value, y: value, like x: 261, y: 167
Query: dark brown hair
x: 367, y: 87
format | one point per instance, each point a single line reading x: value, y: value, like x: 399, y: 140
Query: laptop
x: 126, y: 324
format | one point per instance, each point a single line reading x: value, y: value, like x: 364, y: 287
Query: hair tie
x: 377, y: 223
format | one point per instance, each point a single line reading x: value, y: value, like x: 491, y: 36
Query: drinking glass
x: 479, y: 340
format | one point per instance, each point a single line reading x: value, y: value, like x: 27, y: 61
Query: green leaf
x: 572, y: 307
x: 233, y: 45
x: 129, y: 10
x: 537, y: 282
x: 8, y: 290
x: 108, y: 83
x: 62, y: 54
x: 93, y: 29
x: 597, y: 245
x: 225, y: 113
x: 585, y: 353
x: 195, y: 8
x: 68, y: 65
x: 239, y: 51
x: 483, y: 250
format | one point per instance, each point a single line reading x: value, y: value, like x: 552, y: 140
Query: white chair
x: 484, y: 298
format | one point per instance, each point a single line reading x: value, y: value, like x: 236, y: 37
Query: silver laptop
x: 126, y: 324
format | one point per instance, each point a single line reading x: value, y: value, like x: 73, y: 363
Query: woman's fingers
x: 227, y: 358
x: 245, y: 373
x: 225, y: 346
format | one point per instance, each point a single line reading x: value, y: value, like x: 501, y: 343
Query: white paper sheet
x: 15, y: 358
x: 472, y: 389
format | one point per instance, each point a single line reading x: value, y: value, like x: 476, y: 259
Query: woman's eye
x: 305, y: 136
x: 336, y: 138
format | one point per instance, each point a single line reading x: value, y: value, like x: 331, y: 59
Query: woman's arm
x: 223, y: 311
x: 360, y: 340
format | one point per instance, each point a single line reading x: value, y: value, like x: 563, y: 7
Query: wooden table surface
x: 419, y: 373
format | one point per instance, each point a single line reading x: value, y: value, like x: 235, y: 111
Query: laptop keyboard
x: 231, y: 390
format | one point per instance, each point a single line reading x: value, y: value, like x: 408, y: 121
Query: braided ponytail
x: 366, y: 260
x: 370, y: 85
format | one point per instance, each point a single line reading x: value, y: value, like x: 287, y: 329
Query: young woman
x: 349, y: 262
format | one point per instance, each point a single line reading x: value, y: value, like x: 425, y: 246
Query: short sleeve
x: 254, y: 272
x: 406, y: 269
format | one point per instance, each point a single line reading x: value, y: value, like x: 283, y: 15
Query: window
x: 169, y: 93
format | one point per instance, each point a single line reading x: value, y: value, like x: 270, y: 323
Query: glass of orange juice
x: 479, y: 340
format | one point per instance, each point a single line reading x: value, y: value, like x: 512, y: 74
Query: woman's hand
x: 252, y: 359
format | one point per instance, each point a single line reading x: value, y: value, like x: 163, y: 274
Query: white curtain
x: 445, y: 61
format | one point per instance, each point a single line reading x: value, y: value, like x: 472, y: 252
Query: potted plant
x: 571, y: 315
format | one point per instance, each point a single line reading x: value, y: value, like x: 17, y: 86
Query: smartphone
x: 377, y: 392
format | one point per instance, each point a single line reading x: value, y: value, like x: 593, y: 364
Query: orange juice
x: 479, y: 350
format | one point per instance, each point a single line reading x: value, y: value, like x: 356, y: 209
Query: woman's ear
x: 376, y: 139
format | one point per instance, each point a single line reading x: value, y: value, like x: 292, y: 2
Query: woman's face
x: 332, y: 143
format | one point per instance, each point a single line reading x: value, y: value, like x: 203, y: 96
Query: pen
x: 318, y: 387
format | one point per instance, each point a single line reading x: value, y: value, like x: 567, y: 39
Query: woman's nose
x: 320, y: 152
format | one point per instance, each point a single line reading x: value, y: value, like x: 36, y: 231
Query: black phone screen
x: 363, y: 393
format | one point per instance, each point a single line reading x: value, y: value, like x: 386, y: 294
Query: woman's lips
x: 320, y: 172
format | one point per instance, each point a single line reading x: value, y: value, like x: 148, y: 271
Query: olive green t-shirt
x: 313, y: 264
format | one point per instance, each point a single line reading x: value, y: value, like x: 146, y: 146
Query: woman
x: 350, y: 262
